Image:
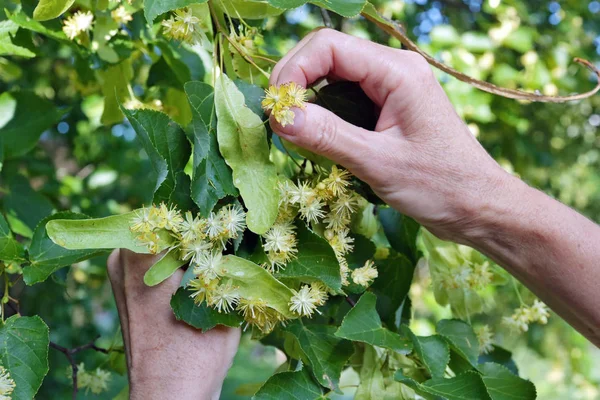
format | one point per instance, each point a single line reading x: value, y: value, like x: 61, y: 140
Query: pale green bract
x: 243, y: 144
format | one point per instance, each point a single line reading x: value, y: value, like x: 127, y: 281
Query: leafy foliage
x: 96, y: 127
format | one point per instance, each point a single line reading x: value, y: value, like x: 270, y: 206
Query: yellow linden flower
x: 284, y: 116
x: 365, y: 275
x: 194, y: 250
x: 485, y: 338
x: 539, y: 312
x: 169, y: 218
x: 338, y: 181
x: 344, y: 269
x: 275, y: 96
x: 481, y: 276
x: 78, y: 23
x: 120, y: 15
x: 303, y: 302
x: 192, y: 228
x: 297, y: 95
x: 312, y: 211
x: 7, y: 384
x: 233, y: 219
x: 183, y: 27
x: 151, y: 240
x: 208, y: 265
x: 224, y: 297
x: 341, y: 242
x: 142, y: 221
x: 319, y: 292
x: 280, y: 100
x: 201, y: 288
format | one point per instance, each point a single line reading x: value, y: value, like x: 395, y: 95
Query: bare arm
x: 422, y: 160
x: 549, y: 247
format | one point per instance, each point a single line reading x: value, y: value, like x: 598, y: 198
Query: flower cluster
x: 78, y: 23
x: 246, y: 38
x: 328, y: 202
x: 469, y: 275
x: 199, y: 238
x: 523, y: 316
x: 485, y: 338
x: 95, y: 381
x: 7, y: 384
x: 280, y: 100
x: 183, y: 26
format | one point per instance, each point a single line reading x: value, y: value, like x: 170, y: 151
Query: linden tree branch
x: 395, y: 30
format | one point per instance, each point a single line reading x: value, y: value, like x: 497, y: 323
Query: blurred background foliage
x: 91, y: 162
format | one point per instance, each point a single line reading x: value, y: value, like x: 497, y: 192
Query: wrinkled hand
x: 166, y: 359
x: 422, y: 159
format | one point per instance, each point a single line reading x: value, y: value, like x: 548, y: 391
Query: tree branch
x: 70, y: 354
x: 395, y: 30
x: 326, y: 18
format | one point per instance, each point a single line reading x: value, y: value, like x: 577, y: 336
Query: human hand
x: 166, y: 359
x: 422, y: 159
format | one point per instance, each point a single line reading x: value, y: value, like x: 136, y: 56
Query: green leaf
x: 22, y: 132
x: 164, y: 268
x: 243, y: 143
x: 297, y: 385
x: 460, y: 337
x: 500, y: 356
x: 200, y: 316
x: 24, y: 353
x: 211, y: 177
x: 7, y: 30
x: 504, y: 385
x: 24, y: 207
x: 46, y: 256
x: 153, y: 8
x: 26, y: 22
x: 392, y: 285
x: 316, y: 260
x: 401, y: 231
x: 362, y: 324
x: 10, y: 249
x: 248, y: 9
x: 433, y: 352
x: 326, y: 353
x: 374, y: 384
x: 49, y: 9
x: 345, y: 8
x: 166, y: 146
x: 253, y: 281
x: 101, y: 233
x: 114, y: 81
x: 466, y: 386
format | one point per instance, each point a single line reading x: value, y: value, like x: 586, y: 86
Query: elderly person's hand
x: 423, y: 160
x: 166, y: 359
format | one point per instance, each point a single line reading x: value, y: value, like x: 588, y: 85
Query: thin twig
x: 70, y: 354
x: 395, y: 30
x: 350, y: 301
x: 326, y: 18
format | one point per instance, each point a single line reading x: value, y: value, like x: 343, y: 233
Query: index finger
x: 329, y: 52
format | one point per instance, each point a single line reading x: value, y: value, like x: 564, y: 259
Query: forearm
x: 549, y: 247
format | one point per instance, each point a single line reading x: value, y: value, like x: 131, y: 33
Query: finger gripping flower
x: 280, y: 100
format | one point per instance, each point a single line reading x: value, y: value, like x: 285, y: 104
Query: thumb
x: 324, y: 133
